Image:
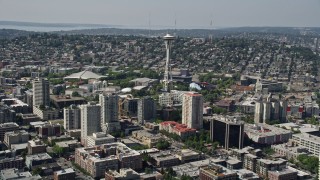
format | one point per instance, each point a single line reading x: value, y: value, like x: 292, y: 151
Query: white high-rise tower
x: 167, y: 72
x: 90, y: 120
x: 109, y: 112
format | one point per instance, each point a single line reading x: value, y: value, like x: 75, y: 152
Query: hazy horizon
x: 166, y: 13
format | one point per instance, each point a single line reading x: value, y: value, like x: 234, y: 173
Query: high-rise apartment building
x: 109, y: 112
x: 146, y: 109
x: 192, y: 110
x: 41, y: 94
x: 90, y: 120
x: 270, y: 109
x: 72, y: 118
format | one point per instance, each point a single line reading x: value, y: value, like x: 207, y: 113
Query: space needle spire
x: 167, y: 72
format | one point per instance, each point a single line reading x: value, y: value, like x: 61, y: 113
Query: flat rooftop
x: 41, y: 156
x: 8, y: 125
x: 308, y: 136
x: 65, y: 98
x: 65, y: 171
x: 264, y: 130
x: 67, y: 143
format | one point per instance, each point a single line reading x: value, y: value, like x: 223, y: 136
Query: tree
x: 186, y: 177
x: 310, y: 163
x: 215, y: 145
x: 122, y: 135
x: 42, y: 107
x: 75, y: 94
x: 268, y: 151
x: 58, y: 150
x: 169, y: 174
x: 36, y: 171
x: 148, y: 171
x: 145, y: 157
x: 312, y: 121
x: 208, y: 140
x: 162, y: 144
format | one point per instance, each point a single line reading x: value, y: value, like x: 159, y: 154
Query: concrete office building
x: 64, y: 174
x: 272, y: 86
x: 71, y: 118
x: 172, y: 98
x: 310, y: 140
x: 164, y: 159
x: 14, y: 173
x: 7, y: 127
x: 41, y: 93
x: 28, y: 97
x: 263, y: 166
x: 109, y: 112
x: 284, y: 174
x: 7, y: 114
x: 266, y: 134
x: 15, y: 137
x: 63, y: 101
x: 213, y: 171
x: 147, y: 138
x: 46, y: 114
x: 36, y: 146
x: 49, y: 129
x: 146, y: 109
x: 12, y: 162
x: 250, y: 162
x: 38, y: 159
x: 99, y: 138
x: 123, y: 174
x: 17, y: 105
x: 28, y: 118
x: 289, y: 150
x: 229, y: 133
x: 192, y: 110
x: 90, y: 120
x: 112, y: 156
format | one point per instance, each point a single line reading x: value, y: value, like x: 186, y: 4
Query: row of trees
x: 197, y: 142
x: 309, y: 163
x: 163, y: 144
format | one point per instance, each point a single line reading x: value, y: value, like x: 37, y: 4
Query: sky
x: 186, y: 13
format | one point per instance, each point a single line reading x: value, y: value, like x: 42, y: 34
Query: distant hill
x: 197, y: 32
x: 9, y: 29
x: 12, y: 33
x: 67, y: 25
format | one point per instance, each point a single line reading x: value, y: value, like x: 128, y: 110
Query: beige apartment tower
x: 192, y: 110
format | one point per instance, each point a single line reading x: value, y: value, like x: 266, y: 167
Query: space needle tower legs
x: 166, y: 79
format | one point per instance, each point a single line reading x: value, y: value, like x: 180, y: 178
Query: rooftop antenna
x: 149, y: 26
x: 175, y: 24
x: 211, y: 28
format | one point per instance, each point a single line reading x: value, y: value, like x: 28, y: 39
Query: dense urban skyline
x: 186, y: 14
x: 88, y: 91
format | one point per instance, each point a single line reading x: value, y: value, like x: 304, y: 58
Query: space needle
x: 167, y: 72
